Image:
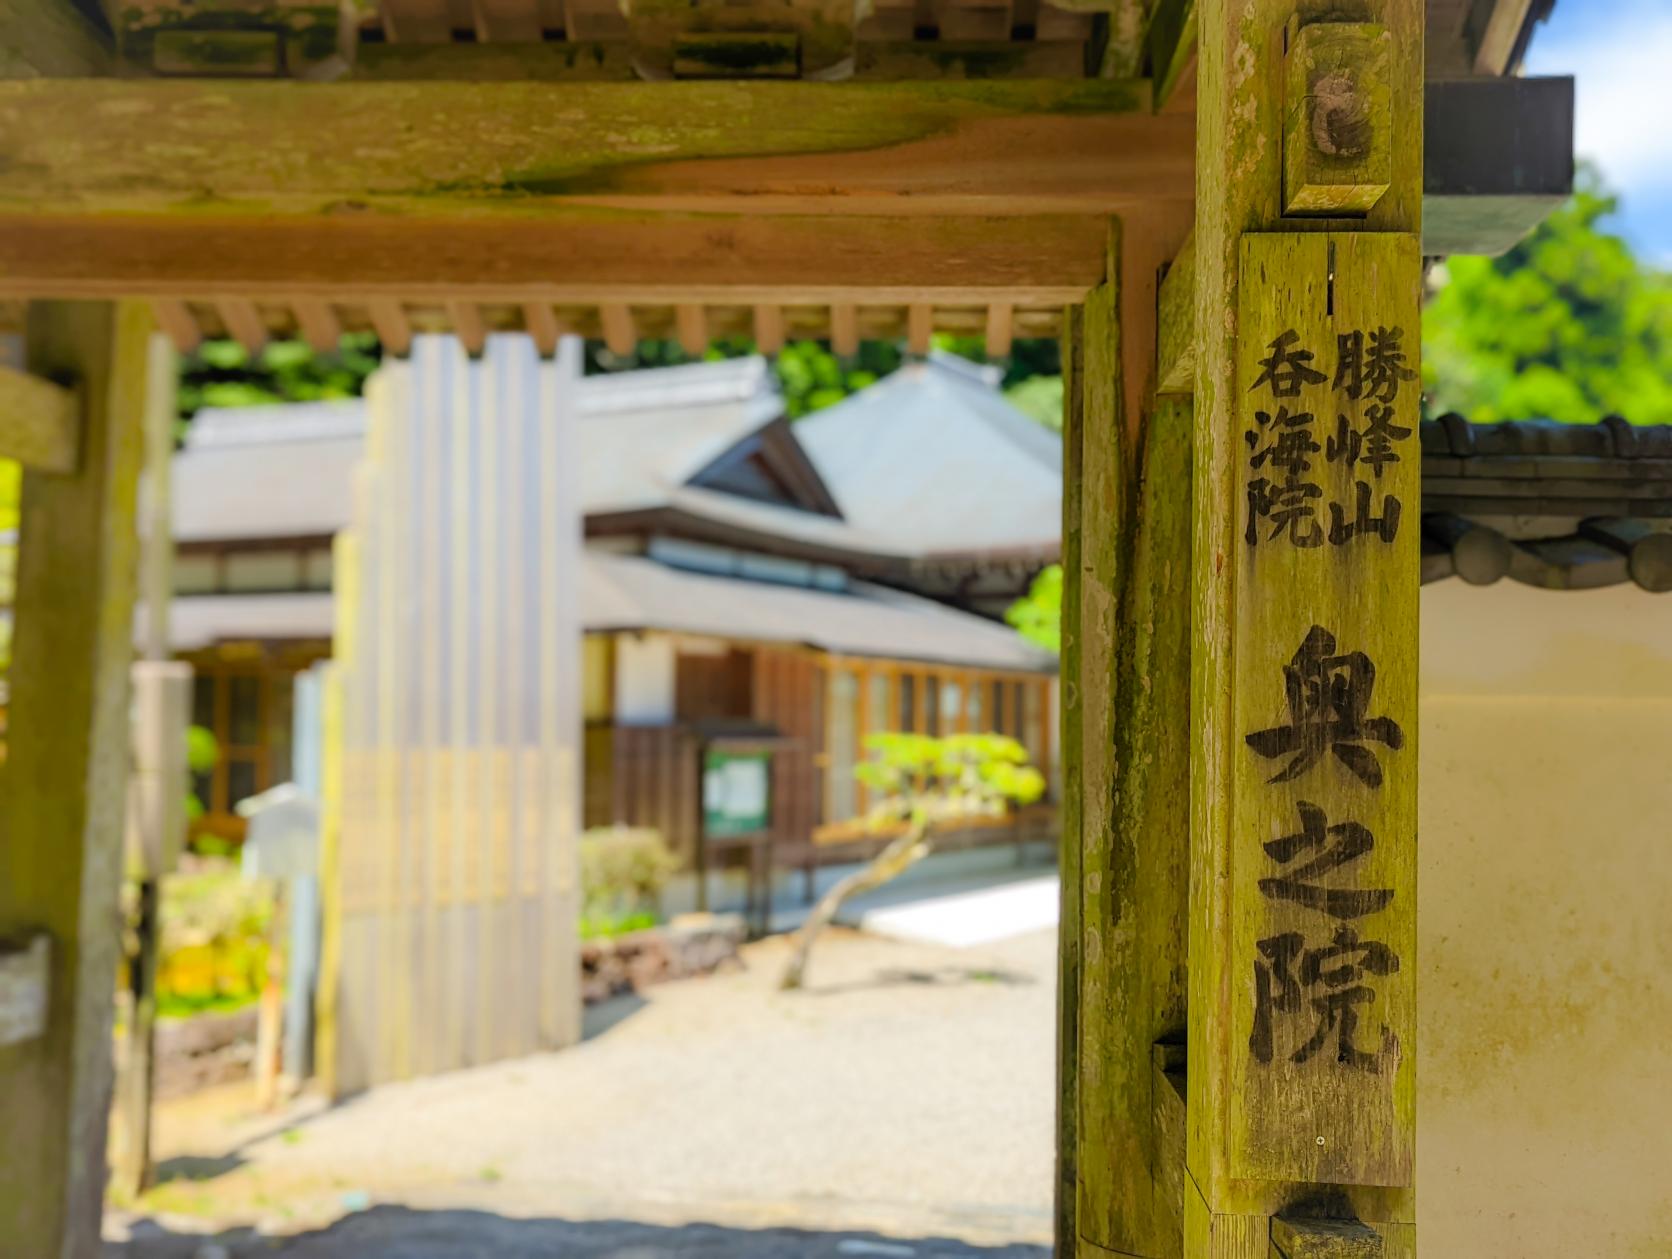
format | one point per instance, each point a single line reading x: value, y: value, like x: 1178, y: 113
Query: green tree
x: 809, y: 374
x: 1037, y: 615
x: 225, y: 374
x: 1567, y: 325
x: 921, y: 785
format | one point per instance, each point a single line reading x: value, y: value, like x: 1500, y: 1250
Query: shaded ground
x: 476, y: 1235
x: 907, y: 1094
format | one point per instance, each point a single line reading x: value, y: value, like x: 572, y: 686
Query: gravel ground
x: 906, y: 1095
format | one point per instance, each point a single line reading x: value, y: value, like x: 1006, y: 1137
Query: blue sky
x: 1620, y: 54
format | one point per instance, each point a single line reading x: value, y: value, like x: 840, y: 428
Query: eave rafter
x: 792, y: 209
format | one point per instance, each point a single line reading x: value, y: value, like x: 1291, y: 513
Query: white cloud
x: 1620, y: 54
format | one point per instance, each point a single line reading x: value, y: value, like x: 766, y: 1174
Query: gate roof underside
x: 621, y: 169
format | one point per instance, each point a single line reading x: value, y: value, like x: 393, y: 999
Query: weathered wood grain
x: 40, y: 422
x: 1137, y: 880
x: 1172, y: 47
x: 1175, y: 356
x: 1324, y: 1239
x: 197, y: 148
x: 573, y: 61
x: 1240, y: 596
x: 66, y: 774
x: 43, y: 38
x: 1070, y: 874
x: 1320, y: 1119
x: 1337, y: 137
x: 1105, y: 541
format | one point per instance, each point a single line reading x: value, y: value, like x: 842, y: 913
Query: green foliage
x: 11, y: 492
x: 1029, y: 356
x: 202, y: 751
x: 927, y: 780
x: 810, y: 375
x: 1568, y: 326
x: 213, y: 953
x: 1037, y: 615
x: 623, y: 872
x: 1040, y: 399
x: 224, y: 374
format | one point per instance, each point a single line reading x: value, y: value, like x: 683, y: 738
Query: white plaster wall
x: 644, y: 679
x: 1545, y: 924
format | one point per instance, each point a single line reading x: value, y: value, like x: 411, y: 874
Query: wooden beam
x: 1136, y: 470
x: 1175, y: 370
x: 1105, y: 514
x: 541, y: 324
x: 317, y: 323
x: 844, y: 329
x: 1500, y: 41
x: 1303, y: 569
x: 61, y: 864
x: 611, y: 61
x: 999, y: 329
x: 389, y: 319
x: 178, y: 323
x: 195, y: 148
x: 1172, y: 47
x: 570, y: 257
x: 620, y: 333
x: 691, y: 325
x: 920, y: 327
x: 50, y: 39
x: 243, y: 322
x: 40, y: 422
x: 1508, y: 142
x: 1497, y: 159
x: 769, y: 328
x: 467, y: 325
x: 1070, y: 936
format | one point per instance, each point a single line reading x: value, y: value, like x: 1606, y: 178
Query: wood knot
x: 1340, y: 117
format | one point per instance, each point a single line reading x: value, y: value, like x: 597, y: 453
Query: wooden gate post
x: 66, y: 775
x: 1125, y: 674
x: 1301, y: 1092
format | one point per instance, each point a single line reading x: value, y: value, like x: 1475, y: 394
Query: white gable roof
x: 935, y: 459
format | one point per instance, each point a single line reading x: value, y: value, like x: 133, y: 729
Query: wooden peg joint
x: 1338, y: 132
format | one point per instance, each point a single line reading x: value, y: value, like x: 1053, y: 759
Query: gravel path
x: 906, y: 1095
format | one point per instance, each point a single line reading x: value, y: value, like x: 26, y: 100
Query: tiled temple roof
x: 1563, y: 506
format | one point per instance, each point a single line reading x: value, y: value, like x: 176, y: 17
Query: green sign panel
x: 736, y: 793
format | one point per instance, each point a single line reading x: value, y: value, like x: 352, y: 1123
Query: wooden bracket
x: 1338, y: 119
x: 40, y: 422
x: 756, y: 39
x: 1167, y: 1092
x: 25, y: 988
x: 222, y: 39
x: 1175, y: 342
x: 737, y: 55
x: 1323, y: 1239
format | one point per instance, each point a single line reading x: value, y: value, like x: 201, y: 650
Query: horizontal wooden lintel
x: 578, y: 257
x: 40, y: 422
x: 203, y: 148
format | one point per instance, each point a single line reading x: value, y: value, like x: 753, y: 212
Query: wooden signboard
x: 1323, y: 966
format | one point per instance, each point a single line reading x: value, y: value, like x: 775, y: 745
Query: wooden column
x: 1069, y: 942
x: 66, y: 775
x: 1126, y: 671
x: 1301, y: 1052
